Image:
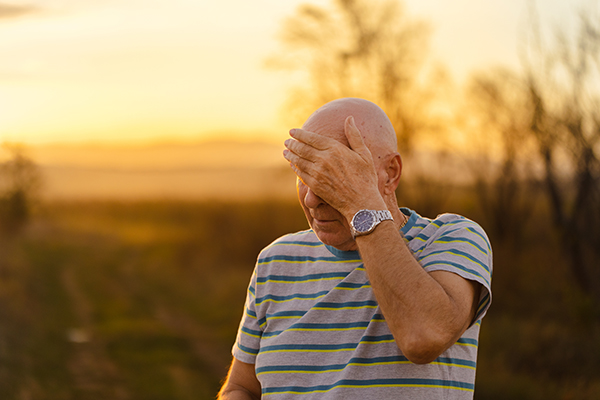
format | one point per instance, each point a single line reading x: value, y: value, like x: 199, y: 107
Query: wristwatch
x: 365, y: 221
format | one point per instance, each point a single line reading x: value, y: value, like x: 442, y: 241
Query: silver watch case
x: 365, y: 221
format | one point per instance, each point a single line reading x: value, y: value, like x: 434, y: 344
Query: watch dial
x: 363, y: 222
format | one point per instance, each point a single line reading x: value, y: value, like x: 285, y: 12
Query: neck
x: 399, y: 217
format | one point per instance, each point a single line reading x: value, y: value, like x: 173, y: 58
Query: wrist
x: 365, y: 221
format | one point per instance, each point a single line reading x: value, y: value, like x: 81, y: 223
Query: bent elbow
x: 422, y: 349
x: 421, y: 357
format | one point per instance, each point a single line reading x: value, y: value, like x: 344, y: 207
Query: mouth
x: 323, y: 218
x: 325, y: 224
x: 323, y: 221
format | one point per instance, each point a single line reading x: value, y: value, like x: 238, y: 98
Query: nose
x: 311, y: 200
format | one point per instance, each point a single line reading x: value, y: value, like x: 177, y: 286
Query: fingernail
x: 287, y: 142
x: 292, y: 132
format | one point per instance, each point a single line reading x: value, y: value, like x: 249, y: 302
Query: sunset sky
x: 105, y: 71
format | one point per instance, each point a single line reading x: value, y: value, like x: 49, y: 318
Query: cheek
x: 301, y: 189
x: 301, y: 192
x: 309, y: 217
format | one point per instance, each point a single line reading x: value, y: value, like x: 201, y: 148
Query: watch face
x: 363, y: 221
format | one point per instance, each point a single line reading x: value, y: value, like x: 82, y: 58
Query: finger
x: 301, y: 149
x: 354, y: 136
x: 297, y: 162
x: 302, y: 175
x: 304, y: 178
x: 312, y: 139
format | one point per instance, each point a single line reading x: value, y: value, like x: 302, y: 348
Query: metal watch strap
x: 383, y: 215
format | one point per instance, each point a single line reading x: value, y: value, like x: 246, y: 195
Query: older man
x: 374, y: 301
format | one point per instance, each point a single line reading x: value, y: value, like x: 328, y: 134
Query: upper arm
x: 464, y: 294
x: 459, y: 257
x: 241, y: 382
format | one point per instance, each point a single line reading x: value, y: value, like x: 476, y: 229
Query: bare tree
x: 502, y: 168
x: 563, y: 84
x: 359, y: 48
x: 20, y: 182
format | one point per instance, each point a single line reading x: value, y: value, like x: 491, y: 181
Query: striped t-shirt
x: 313, y: 327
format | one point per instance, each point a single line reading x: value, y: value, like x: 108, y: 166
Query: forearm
x: 235, y: 394
x: 421, y: 314
x: 241, y: 383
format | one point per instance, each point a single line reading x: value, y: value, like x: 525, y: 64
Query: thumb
x: 354, y: 137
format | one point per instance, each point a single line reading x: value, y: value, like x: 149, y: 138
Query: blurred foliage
x: 562, y: 80
x: 361, y: 48
x: 20, y: 182
x: 537, y: 132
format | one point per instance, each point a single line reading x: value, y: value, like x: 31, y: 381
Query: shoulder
x: 455, y: 244
x: 451, y: 242
x: 449, y: 228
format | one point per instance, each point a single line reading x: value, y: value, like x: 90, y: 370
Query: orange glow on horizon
x: 133, y: 72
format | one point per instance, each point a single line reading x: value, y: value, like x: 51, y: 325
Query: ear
x: 393, y: 172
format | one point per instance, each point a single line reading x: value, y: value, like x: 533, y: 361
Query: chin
x: 333, y: 233
x: 341, y: 241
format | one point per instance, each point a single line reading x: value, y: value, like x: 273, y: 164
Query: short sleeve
x: 461, y: 246
x: 247, y: 343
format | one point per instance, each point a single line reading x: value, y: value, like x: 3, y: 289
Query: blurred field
x: 141, y: 300
x: 128, y: 301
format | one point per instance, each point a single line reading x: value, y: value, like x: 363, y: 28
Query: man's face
x: 327, y: 223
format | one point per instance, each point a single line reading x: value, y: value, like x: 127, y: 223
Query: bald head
x: 374, y: 125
